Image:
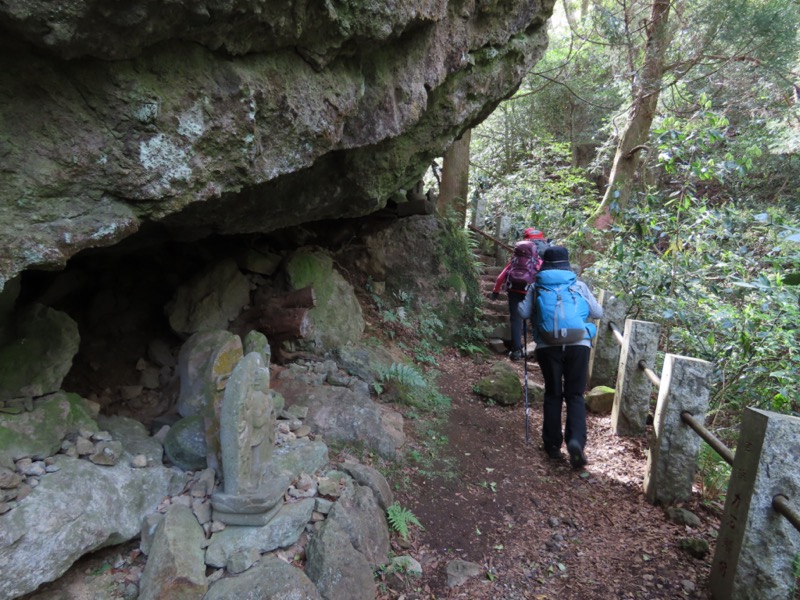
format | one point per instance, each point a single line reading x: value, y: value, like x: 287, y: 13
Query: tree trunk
x: 280, y: 318
x: 640, y: 117
x: 454, y: 189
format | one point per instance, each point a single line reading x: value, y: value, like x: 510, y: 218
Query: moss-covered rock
x: 501, y: 385
x: 35, y: 363
x: 600, y: 399
x: 39, y: 433
x: 337, y: 317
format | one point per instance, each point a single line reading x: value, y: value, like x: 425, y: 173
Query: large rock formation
x: 230, y: 116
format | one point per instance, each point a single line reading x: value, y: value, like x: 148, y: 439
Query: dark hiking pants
x: 565, y: 370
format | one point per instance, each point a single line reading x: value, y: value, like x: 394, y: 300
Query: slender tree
x: 646, y: 91
x: 454, y: 189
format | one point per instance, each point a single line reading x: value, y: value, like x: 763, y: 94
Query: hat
x: 556, y: 257
x: 532, y: 234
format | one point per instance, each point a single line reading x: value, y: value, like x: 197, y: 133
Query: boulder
x: 271, y: 118
x: 283, y: 530
x: 336, y: 317
x: 501, y: 385
x: 175, y: 568
x: 43, y: 343
x: 78, y: 509
x: 359, y: 515
x: 39, y: 433
x: 346, y: 415
x: 185, y: 444
x: 339, y: 570
x: 270, y: 578
x: 600, y: 399
x: 210, y: 300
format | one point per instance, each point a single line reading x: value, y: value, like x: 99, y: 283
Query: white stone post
x: 672, y: 457
x: 604, y: 361
x: 757, y: 545
x: 502, y: 229
x: 632, y: 397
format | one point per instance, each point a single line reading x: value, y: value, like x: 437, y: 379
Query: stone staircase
x: 495, y: 312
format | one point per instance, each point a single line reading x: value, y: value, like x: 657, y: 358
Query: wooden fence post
x: 756, y: 545
x: 604, y: 360
x: 632, y: 397
x: 672, y: 457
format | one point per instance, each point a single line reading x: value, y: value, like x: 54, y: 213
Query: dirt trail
x: 538, y: 528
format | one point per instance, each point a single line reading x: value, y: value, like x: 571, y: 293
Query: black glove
x: 495, y: 295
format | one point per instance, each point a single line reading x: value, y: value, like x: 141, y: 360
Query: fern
x: 400, y: 518
x: 714, y: 474
x: 403, y: 374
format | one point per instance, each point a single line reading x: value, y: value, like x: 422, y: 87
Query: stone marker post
x: 632, y: 398
x: 757, y: 545
x: 604, y: 360
x: 672, y: 457
x: 502, y: 229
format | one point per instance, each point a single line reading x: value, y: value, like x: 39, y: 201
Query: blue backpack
x: 560, y: 313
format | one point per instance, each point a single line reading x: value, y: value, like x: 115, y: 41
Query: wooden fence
x: 758, y: 546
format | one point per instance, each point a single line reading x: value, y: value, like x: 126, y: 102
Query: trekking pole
x: 525, y: 368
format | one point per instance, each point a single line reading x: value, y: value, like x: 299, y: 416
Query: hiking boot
x: 576, y: 456
x: 515, y: 355
x: 553, y: 452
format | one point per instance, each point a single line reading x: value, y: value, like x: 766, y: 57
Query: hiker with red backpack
x: 517, y: 276
x: 559, y: 306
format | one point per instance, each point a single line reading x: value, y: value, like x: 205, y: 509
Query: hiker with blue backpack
x: 517, y: 276
x: 559, y: 306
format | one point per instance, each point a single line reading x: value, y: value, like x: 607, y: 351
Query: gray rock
x: 345, y: 415
x: 175, y: 567
x: 681, y: 516
x: 459, y: 571
x: 240, y: 561
x: 270, y: 578
x: 357, y: 513
x: 283, y: 530
x: 210, y: 300
x: 696, y: 547
x: 134, y: 437
x: 39, y: 434
x: 373, y: 479
x: 600, y: 399
x: 205, y: 361
x: 159, y: 352
x: 339, y: 570
x: 79, y: 509
x: 301, y: 456
x: 40, y: 353
x: 185, y: 444
x: 106, y: 453
x: 501, y: 385
x: 336, y: 316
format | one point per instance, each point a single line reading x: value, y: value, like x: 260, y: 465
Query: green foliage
x: 400, y: 519
x: 714, y: 475
x: 404, y: 374
x: 713, y: 278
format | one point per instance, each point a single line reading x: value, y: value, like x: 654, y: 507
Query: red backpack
x: 524, y: 266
